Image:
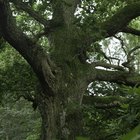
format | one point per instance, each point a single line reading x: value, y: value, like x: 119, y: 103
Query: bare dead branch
x: 133, y: 50
x: 130, y: 59
x: 122, y: 44
x: 114, y: 58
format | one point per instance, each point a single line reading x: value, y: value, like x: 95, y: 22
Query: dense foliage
x: 67, y: 62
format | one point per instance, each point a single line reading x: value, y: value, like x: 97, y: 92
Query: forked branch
x: 121, y: 19
x: 33, y: 53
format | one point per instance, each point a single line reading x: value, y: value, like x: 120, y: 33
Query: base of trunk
x: 59, y: 123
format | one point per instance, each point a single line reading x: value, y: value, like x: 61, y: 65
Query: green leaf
x: 133, y: 135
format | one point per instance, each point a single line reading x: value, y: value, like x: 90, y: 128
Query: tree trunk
x: 61, y: 112
x: 60, y: 121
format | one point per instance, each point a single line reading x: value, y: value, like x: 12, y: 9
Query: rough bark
x: 63, y: 75
x: 121, y: 19
x: 70, y: 82
x: 59, y: 119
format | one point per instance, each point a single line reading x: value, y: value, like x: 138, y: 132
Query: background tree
x: 18, y: 118
x: 72, y: 30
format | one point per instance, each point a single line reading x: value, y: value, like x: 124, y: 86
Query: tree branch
x: 121, y: 19
x: 14, y: 35
x: 119, y: 77
x: 122, y: 44
x: 29, y: 98
x: 133, y: 50
x: 108, y: 66
x: 115, y: 24
x: 104, y: 102
x: 33, y: 53
x: 34, y: 14
x: 131, y: 31
x: 130, y: 59
x: 63, y: 11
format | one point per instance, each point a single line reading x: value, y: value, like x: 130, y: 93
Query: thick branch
x: 102, y: 99
x: 63, y: 11
x: 131, y: 31
x: 33, y: 53
x: 119, y: 77
x: 14, y: 35
x: 121, y: 19
x: 34, y: 14
x: 104, y: 102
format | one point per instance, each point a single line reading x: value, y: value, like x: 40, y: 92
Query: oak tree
x: 63, y: 70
